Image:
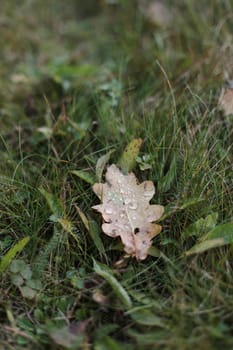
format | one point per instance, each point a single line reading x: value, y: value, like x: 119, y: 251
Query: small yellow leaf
x: 128, y: 158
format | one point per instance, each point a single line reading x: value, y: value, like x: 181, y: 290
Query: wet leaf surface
x: 127, y: 212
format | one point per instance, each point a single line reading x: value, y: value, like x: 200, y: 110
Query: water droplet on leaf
x: 108, y: 211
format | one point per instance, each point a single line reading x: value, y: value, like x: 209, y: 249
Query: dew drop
x: 108, y: 211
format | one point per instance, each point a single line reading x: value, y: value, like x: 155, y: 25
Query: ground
x: 81, y: 79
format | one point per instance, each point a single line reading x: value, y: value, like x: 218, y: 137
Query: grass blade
x: 221, y: 235
x: 53, y: 203
x: 84, y: 175
x: 18, y: 247
x: 103, y: 271
x: 101, y: 163
x: 93, y: 230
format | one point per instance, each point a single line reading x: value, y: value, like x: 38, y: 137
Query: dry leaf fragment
x: 156, y: 12
x: 127, y: 212
x: 99, y: 297
x: 226, y: 101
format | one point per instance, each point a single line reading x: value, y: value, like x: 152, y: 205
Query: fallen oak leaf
x: 127, y: 212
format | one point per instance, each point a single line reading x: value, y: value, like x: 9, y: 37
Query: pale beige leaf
x: 99, y: 297
x: 127, y: 212
x: 226, y: 101
x: 156, y: 12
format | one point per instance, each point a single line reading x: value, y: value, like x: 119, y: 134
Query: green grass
x: 77, y: 81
